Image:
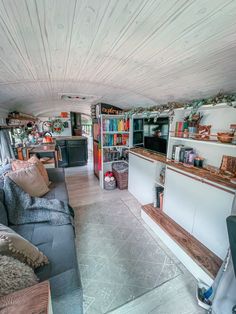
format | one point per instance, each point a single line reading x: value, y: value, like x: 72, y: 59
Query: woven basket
x: 120, y: 171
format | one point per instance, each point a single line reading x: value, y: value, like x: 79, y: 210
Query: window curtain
x: 6, y: 151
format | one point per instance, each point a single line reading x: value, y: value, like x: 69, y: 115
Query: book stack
x: 180, y: 127
x: 116, y: 125
x: 116, y: 139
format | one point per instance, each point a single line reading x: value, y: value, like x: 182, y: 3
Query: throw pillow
x: 42, y: 169
x: 30, y: 180
x: 19, y: 164
x: 12, y: 244
x: 22, y: 164
x: 15, y: 275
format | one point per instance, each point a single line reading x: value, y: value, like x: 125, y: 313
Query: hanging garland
x: 194, y: 105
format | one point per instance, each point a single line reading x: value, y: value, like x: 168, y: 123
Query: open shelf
x: 115, y: 132
x: 201, y: 255
x: 111, y: 162
x: 208, y: 142
x: 117, y: 146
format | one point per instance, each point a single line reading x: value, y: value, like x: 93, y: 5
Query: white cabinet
x: 200, y: 209
x: 179, y: 199
x: 212, y: 209
x: 142, y: 175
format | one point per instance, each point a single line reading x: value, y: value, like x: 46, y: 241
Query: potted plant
x: 193, y: 120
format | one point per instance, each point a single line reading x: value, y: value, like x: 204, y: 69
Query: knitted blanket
x: 23, y: 208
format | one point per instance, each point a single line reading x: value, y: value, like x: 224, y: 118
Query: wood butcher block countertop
x: 199, y: 172
x: 70, y: 138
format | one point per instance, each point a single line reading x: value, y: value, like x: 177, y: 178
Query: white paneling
x: 179, y: 199
x: 123, y: 52
x: 213, y: 206
x: 200, y: 209
x: 142, y: 175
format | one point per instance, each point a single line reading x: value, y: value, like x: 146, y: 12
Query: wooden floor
x: 198, y: 252
x: 83, y: 186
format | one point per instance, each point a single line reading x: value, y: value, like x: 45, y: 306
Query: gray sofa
x: 58, y: 244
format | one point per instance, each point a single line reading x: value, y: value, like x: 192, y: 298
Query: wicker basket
x: 120, y: 171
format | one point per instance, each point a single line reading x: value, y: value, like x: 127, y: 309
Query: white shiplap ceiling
x: 124, y: 52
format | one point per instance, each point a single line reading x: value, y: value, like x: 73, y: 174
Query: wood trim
x: 142, y: 157
x: 201, y: 255
x: 201, y: 180
x: 200, y: 172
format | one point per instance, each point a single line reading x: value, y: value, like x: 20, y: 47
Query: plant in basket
x: 193, y: 120
x: 109, y: 181
x: 109, y: 176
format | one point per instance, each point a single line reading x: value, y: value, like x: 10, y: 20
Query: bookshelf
x: 115, y: 131
x: 220, y: 117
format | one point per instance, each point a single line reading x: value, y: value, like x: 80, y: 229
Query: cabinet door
x: 77, y: 153
x: 212, y: 209
x: 141, y: 179
x: 64, y: 162
x: 179, y: 198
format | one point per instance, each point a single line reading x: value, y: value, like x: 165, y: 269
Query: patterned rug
x: 118, y: 258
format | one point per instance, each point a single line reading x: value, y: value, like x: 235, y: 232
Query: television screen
x: 156, y: 134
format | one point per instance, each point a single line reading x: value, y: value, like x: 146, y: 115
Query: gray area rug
x: 118, y: 258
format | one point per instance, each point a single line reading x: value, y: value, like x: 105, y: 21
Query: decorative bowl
x: 225, y: 137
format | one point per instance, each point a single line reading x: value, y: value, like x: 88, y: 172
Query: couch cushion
x: 57, y: 243
x: 58, y: 190
x: 56, y: 174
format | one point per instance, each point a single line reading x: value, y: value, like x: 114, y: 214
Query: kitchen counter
x: 69, y: 138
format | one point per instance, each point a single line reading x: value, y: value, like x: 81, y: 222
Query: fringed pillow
x: 15, y: 275
x: 12, y: 244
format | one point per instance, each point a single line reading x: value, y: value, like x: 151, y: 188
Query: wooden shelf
x: 199, y: 172
x: 118, y: 146
x: 206, y: 259
x: 23, y: 119
x: 208, y: 142
x: 111, y: 162
x: 115, y: 132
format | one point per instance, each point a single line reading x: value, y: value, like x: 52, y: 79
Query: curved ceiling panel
x: 128, y: 53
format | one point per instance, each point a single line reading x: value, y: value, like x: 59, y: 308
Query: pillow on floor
x: 12, y: 244
x: 15, y: 275
x: 21, y: 164
x: 30, y: 180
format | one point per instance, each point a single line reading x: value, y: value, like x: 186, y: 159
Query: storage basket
x: 109, y: 185
x: 120, y: 171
